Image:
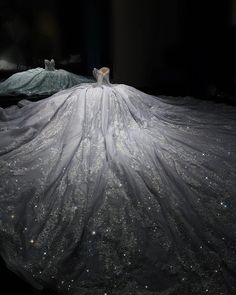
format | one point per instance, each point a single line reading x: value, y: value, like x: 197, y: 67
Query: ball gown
x: 39, y: 81
x: 107, y: 190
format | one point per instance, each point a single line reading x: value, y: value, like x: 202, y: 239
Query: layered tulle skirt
x: 107, y: 190
x: 37, y: 82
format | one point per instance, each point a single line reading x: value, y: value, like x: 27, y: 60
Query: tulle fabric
x: 107, y: 190
x: 39, y: 81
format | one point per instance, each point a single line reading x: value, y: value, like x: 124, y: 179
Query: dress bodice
x: 49, y: 65
x: 102, y: 76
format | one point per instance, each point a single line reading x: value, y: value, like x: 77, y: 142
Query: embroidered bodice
x: 102, y: 75
x: 49, y: 65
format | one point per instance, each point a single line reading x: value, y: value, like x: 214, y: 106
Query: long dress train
x: 107, y: 190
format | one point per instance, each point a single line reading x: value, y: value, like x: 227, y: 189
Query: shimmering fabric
x: 107, y: 190
x: 41, y: 81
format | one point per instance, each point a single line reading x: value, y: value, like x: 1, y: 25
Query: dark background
x: 170, y: 47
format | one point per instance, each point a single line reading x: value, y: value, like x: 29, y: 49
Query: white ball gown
x: 107, y: 190
x: 39, y: 81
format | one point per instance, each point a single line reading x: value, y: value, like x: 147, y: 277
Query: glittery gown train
x: 107, y: 190
x: 39, y: 81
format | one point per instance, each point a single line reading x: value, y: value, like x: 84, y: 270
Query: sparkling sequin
x: 117, y: 192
